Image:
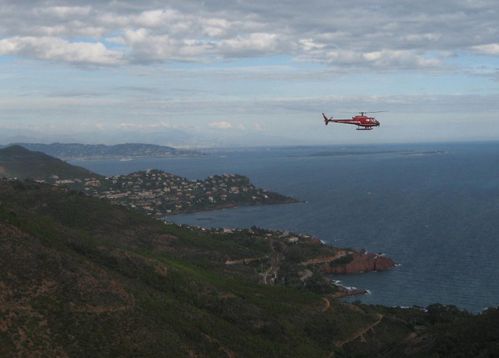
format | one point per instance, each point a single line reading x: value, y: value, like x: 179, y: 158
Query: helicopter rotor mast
x: 364, y: 113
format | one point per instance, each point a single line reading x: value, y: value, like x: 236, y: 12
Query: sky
x: 248, y: 73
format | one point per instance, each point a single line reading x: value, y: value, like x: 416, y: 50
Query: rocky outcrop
x: 348, y: 292
x: 360, y: 262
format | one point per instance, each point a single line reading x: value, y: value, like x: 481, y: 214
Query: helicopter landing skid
x: 364, y: 129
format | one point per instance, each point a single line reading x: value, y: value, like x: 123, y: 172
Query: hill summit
x: 19, y: 162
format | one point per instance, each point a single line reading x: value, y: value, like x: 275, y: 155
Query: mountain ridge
x: 75, y: 151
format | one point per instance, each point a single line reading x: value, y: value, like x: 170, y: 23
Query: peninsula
x: 159, y: 194
x: 153, y: 192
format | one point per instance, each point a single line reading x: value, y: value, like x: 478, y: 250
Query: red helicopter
x: 362, y: 121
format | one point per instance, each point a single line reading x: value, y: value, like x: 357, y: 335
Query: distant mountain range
x: 71, y: 151
x: 18, y: 162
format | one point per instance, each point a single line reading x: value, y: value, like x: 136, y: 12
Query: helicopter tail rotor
x: 326, y: 120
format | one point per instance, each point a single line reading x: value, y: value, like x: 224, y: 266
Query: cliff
x: 361, y: 262
x: 350, y: 261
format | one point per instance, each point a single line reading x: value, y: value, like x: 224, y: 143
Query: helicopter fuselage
x: 362, y: 121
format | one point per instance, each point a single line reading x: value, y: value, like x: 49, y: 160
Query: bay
x: 433, y: 208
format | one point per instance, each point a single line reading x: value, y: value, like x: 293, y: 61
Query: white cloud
x: 488, y: 49
x: 221, y: 125
x: 56, y: 49
x: 65, y: 11
x: 141, y: 126
x: 157, y: 18
x: 254, y: 43
x: 216, y: 27
x: 146, y: 47
x: 358, y: 34
x: 258, y: 127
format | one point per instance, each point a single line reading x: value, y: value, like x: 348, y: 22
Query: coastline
x: 361, y: 262
x: 348, y: 291
x: 298, y: 260
x: 235, y: 206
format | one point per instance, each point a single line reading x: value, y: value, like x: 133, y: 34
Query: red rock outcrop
x: 361, y: 262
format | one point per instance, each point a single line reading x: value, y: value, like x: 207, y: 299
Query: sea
x: 433, y: 208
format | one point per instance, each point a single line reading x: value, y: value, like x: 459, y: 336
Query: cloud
x: 145, y: 126
x: 352, y: 35
x: 258, y: 127
x: 488, y: 49
x: 221, y: 125
x: 56, y: 49
x: 387, y: 59
x: 65, y: 11
x: 251, y: 44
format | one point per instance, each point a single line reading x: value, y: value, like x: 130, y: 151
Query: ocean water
x: 433, y: 208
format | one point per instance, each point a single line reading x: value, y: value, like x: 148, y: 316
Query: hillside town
x: 160, y: 194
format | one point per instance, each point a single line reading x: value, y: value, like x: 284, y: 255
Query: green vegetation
x: 82, y: 277
x: 344, y: 260
x: 18, y: 162
x: 105, y: 280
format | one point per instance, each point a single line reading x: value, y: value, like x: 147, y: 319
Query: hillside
x: 69, y: 151
x: 19, y: 162
x: 81, y: 277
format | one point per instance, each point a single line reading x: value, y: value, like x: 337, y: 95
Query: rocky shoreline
x: 298, y: 260
x: 362, y: 262
x: 346, y: 262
